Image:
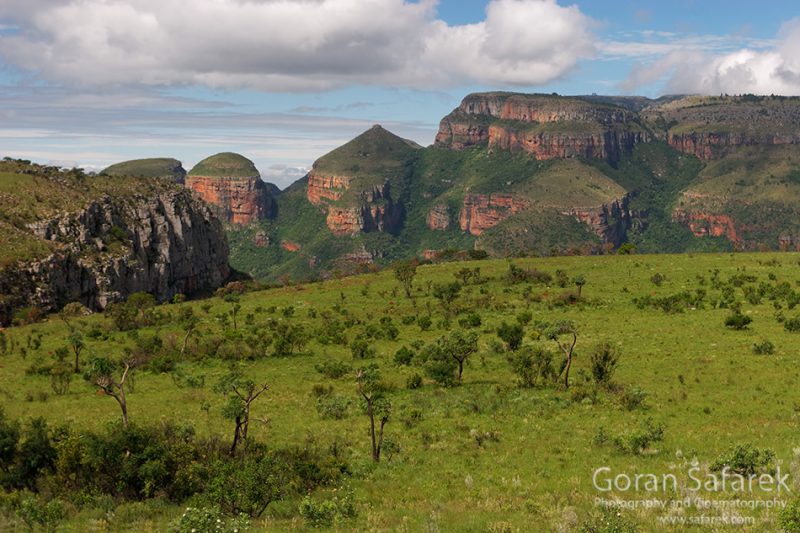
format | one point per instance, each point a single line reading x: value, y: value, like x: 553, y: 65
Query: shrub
x: 737, y: 321
x: 424, y: 322
x: 35, y: 512
x: 607, y: 521
x: 792, y: 324
x: 328, y: 512
x: 361, y: 349
x: 403, y: 356
x: 639, y: 440
x: 744, y: 459
x: 414, y: 381
x: 333, y: 369
x: 603, y: 361
x: 209, y: 519
x: 657, y: 279
x: 332, y: 407
x: 789, y: 517
x: 533, y: 366
x: 471, y: 320
x: 511, y: 334
x: 633, y: 398
x: 764, y: 348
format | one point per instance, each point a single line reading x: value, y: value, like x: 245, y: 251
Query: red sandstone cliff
x: 236, y: 200
x: 483, y: 211
x: 547, y: 127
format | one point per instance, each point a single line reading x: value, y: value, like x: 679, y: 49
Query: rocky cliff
x: 354, y: 184
x: 233, y: 186
x: 483, y: 211
x: 710, y: 127
x: 164, y: 243
x: 545, y: 126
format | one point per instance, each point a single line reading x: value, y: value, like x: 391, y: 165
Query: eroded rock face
x: 483, y: 211
x: 610, y: 222
x: 709, y: 145
x: 708, y: 224
x: 165, y: 244
x: 507, y: 122
x: 375, y: 210
x: 236, y: 200
x: 438, y: 218
x: 321, y: 187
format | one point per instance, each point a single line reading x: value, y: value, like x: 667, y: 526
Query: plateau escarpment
x: 233, y: 186
x: 709, y: 127
x: 545, y: 126
x: 113, y: 238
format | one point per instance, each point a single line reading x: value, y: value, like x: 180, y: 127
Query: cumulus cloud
x: 770, y: 69
x: 287, y: 45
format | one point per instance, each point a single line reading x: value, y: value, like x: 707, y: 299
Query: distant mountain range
x: 521, y: 174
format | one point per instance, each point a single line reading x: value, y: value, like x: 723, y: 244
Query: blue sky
x: 92, y: 82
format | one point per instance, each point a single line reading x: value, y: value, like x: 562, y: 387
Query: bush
x: 333, y: 369
x: 328, y: 512
x: 414, y: 381
x: 361, y: 349
x: 209, y: 519
x: 403, y: 356
x: 35, y: 512
x: 607, y: 521
x: 764, y: 348
x: 533, y: 366
x: 632, y: 399
x: 789, y: 517
x: 639, y: 440
x: 424, y: 322
x: 657, y: 279
x: 511, y: 334
x: 332, y: 407
x: 792, y: 324
x: 744, y: 459
x: 737, y: 321
x: 603, y: 361
x: 471, y: 320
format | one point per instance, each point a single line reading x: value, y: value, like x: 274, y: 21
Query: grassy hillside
x: 486, y: 455
x: 225, y: 164
x: 158, y: 167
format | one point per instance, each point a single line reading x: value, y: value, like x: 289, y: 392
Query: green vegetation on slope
x: 507, y: 447
x: 225, y: 164
x: 160, y: 167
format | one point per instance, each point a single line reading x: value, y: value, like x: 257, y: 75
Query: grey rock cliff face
x: 164, y: 244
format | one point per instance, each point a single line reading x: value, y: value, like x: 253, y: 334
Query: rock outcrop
x: 547, y: 127
x: 704, y: 224
x: 164, y: 244
x: 483, y: 211
x: 233, y: 186
x: 708, y: 145
x: 610, y: 222
x: 438, y: 218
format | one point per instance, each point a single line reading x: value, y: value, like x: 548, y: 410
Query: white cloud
x: 766, y: 67
x: 285, y: 45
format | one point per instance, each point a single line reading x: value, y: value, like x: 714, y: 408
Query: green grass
x: 225, y: 165
x: 158, y: 167
x: 702, y: 380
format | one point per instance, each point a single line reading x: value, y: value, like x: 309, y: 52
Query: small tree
x: 233, y: 299
x: 405, y: 272
x: 446, y: 293
x: 241, y: 393
x: 555, y: 333
x: 460, y: 346
x: 603, y: 360
x: 103, y: 373
x: 579, y: 282
x: 372, y: 391
x: 75, y: 340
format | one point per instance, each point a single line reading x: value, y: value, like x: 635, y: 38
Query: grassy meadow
x: 488, y: 455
